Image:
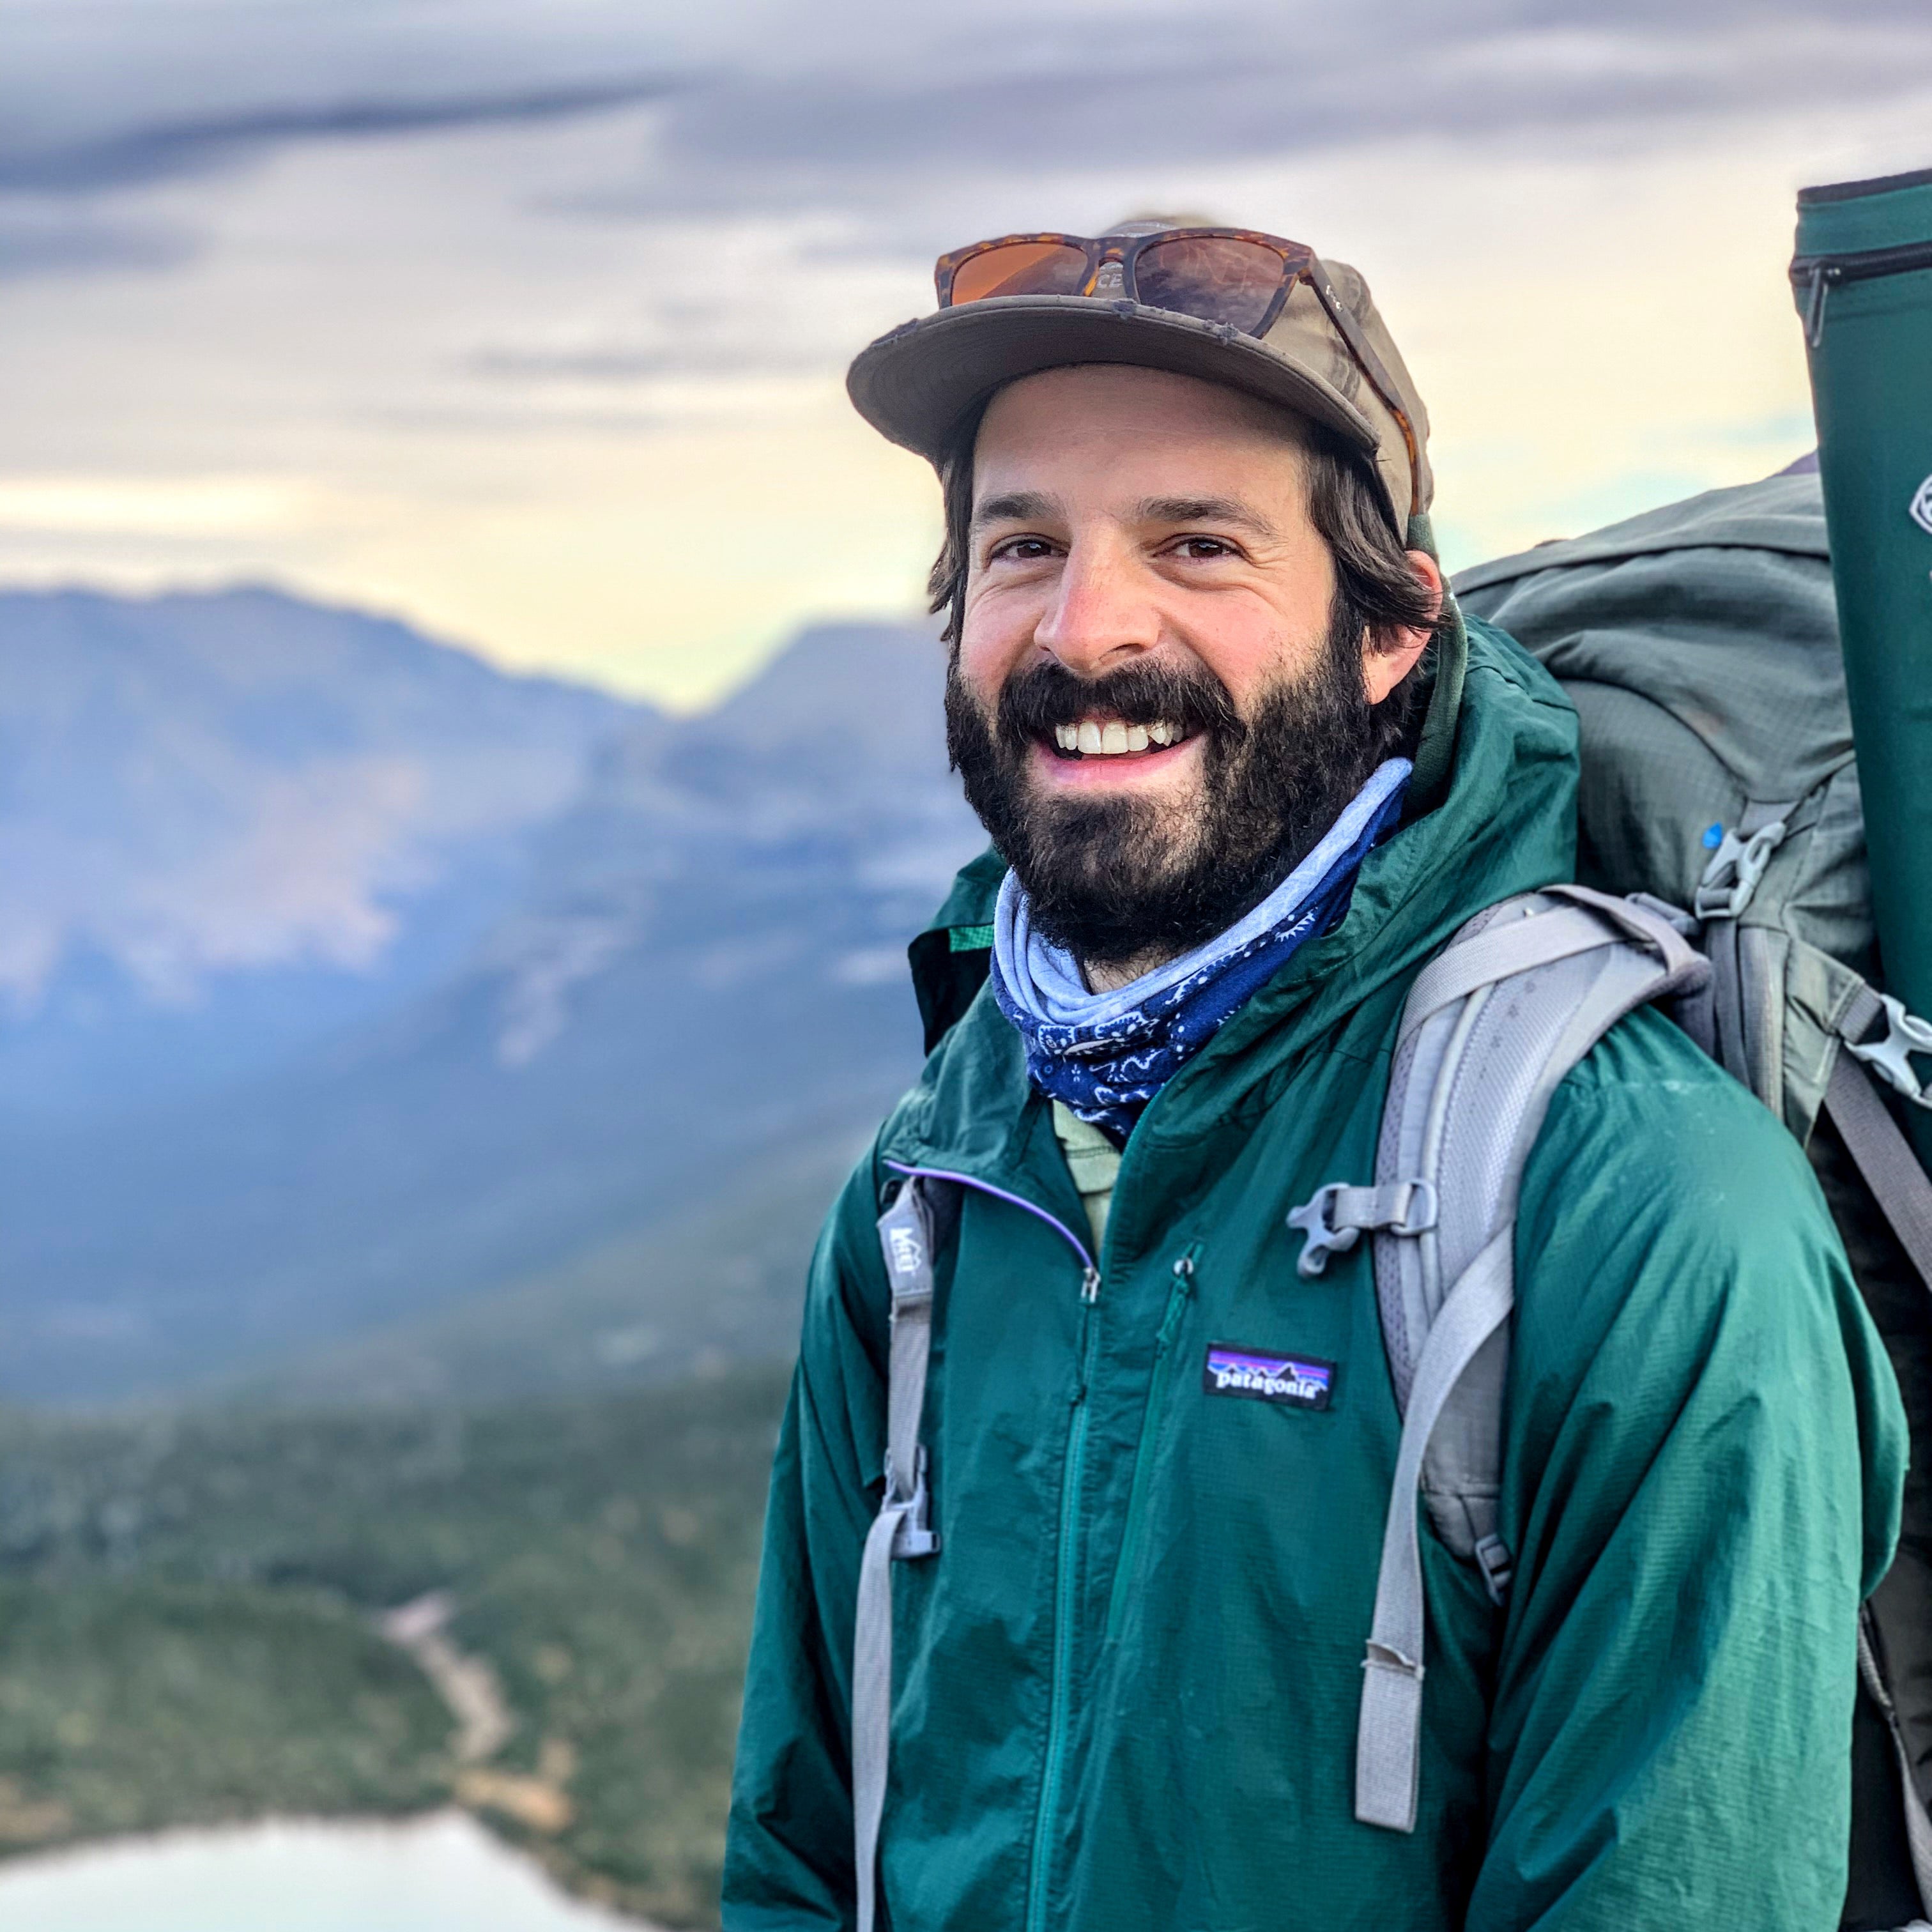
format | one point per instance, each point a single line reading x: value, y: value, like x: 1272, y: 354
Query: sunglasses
x: 1236, y: 278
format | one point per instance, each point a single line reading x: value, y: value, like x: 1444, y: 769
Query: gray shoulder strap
x: 1493, y: 1024
x: 902, y: 1528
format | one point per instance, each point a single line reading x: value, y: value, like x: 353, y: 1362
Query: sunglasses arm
x: 1371, y: 366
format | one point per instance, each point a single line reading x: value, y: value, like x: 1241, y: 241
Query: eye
x: 1203, y: 550
x: 1020, y: 549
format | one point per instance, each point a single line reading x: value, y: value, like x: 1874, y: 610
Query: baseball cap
x: 917, y: 383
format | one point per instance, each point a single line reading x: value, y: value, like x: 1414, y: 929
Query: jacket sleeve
x: 1703, y: 1459
x: 788, y: 1843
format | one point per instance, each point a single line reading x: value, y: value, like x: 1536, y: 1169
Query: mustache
x: 1032, y: 702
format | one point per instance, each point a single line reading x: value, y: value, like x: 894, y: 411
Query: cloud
x: 1272, y: 84
x: 39, y: 239
x: 167, y: 150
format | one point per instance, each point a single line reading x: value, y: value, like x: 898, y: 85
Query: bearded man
x: 1246, y: 770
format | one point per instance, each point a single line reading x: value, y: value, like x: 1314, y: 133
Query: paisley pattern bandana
x: 1107, y: 1054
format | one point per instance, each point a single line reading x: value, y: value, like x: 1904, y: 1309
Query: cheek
x: 995, y: 635
x: 1252, y: 657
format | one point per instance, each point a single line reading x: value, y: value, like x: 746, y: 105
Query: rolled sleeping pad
x: 1863, y: 280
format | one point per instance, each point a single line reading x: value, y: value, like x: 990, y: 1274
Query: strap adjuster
x: 1338, y: 1215
x: 1383, y: 1657
x: 1891, y: 1058
x: 1731, y: 879
x: 914, y: 1535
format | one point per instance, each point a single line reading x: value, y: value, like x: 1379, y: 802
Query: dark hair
x: 1375, y: 590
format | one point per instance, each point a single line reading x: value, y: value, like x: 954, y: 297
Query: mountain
x: 699, y: 997
x: 233, y: 824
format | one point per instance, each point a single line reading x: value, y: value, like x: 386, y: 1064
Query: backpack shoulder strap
x: 1524, y: 990
x: 903, y: 1529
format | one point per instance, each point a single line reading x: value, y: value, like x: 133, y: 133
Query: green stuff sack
x: 1699, y: 645
x: 1863, y: 277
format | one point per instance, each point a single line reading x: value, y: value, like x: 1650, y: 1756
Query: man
x: 1250, y: 772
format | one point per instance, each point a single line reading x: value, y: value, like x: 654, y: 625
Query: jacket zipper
x: 1156, y: 1401
x: 1066, y: 1568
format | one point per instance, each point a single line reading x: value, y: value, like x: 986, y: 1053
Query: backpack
x: 1722, y: 863
x: 1698, y: 643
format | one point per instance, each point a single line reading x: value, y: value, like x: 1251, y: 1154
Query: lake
x: 440, y: 1874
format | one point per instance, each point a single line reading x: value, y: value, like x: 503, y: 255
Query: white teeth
x: 1112, y: 739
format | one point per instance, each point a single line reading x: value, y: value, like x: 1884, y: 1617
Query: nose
x: 1099, y: 617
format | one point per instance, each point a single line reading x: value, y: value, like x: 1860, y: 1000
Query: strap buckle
x: 914, y: 1535
x: 1386, y: 1657
x: 1731, y: 879
x: 1493, y: 1559
x: 1891, y: 1058
x: 1336, y: 1216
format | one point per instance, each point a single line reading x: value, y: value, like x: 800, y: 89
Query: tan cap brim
x: 915, y: 384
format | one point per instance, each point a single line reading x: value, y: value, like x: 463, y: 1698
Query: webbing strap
x: 1388, y: 1736
x: 1884, y: 1155
x: 901, y: 1529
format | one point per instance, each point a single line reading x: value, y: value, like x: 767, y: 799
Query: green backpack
x: 1698, y: 643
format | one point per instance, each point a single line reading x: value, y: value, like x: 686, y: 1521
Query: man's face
x: 1148, y: 704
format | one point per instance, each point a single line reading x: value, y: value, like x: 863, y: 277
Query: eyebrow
x: 1228, y: 510
x: 1022, y: 506
x: 1016, y: 506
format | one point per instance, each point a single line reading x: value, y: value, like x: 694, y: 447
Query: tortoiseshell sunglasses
x: 1237, y: 277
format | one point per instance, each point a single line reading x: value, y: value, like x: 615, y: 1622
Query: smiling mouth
x: 1114, y: 738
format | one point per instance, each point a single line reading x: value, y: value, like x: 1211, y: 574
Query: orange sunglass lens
x: 1214, y: 276
x: 1020, y: 268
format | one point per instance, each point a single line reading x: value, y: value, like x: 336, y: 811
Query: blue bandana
x: 1107, y: 1054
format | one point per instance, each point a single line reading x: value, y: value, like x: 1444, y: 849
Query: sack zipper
x: 1823, y: 273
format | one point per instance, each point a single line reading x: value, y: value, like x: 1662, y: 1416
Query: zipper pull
x: 1090, y: 1286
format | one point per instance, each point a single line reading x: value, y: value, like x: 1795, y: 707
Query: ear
x: 1388, y: 657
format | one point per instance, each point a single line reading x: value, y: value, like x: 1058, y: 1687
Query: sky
x: 528, y: 321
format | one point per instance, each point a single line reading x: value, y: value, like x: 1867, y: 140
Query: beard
x: 1115, y: 879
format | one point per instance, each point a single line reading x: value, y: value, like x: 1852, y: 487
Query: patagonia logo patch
x: 1301, y: 1381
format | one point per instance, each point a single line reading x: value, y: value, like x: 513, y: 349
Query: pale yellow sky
x: 438, y: 375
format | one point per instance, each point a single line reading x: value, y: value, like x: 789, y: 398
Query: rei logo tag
x: 1922, y: 505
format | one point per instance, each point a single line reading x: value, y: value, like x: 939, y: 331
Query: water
x: 440, y: 1874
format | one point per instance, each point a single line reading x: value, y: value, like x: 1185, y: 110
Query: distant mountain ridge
x: 695, y: 994
x: 231, y: 822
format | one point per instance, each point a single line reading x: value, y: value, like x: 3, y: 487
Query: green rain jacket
x: 1125, y: 1688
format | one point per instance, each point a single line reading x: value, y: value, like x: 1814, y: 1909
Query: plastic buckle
x: 1890, y: 1058
x: 1731, y: 878
x: 915, y: 1536
x: 1420, y: 1211
x: 1492, y: 1558
x: 1386, y: 1657
x: 1315, y: 1220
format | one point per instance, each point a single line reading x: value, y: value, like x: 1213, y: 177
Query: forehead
x: 1113, y: 422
